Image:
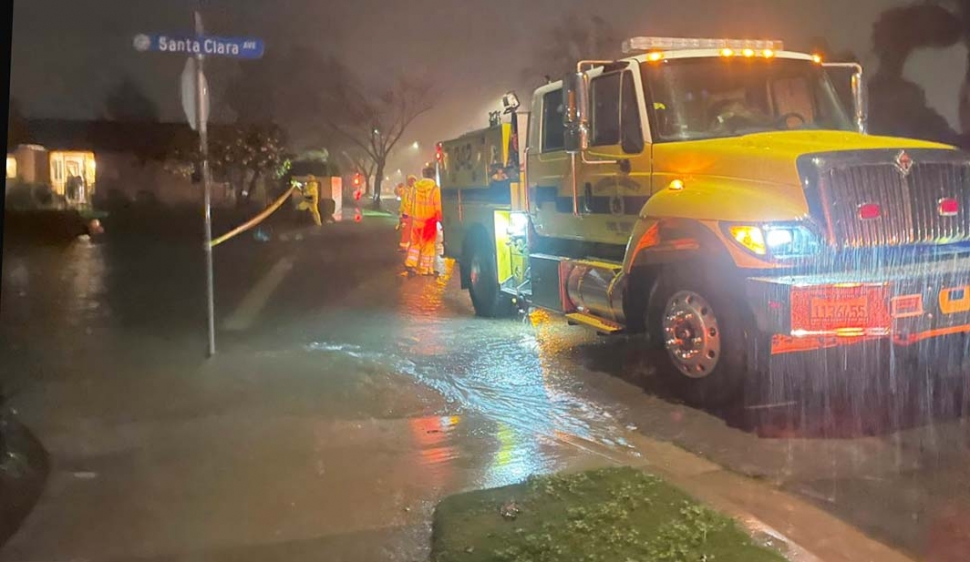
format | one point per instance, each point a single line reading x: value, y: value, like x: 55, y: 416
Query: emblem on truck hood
x: 904, y: 163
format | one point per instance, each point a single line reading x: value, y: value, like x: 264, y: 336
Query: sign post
x: 195, y: 102
x: 201, y: 103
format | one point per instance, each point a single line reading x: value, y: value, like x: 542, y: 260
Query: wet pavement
x: 346, y: 400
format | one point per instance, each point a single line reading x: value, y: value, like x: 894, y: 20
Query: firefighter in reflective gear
x: 425, y: 218
x: 311, y: 200
x: 407, y: 200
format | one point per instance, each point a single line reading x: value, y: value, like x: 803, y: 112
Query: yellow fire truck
x: 715, y: 196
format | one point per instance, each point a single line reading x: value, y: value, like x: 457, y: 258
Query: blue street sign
x: 234, y: 47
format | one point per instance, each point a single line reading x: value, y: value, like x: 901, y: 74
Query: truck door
x: 616, y: 181
x: 609, y: 198
x: 548, y: 161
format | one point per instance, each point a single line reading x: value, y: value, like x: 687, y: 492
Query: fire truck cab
x: 715, y: 196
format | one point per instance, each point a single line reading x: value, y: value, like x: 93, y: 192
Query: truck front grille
x: 908, y: 204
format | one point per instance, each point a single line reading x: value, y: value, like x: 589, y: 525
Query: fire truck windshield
x: 702, y: 98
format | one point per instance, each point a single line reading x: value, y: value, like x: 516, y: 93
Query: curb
x: 797, y: 529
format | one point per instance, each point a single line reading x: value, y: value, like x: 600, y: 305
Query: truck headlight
x: 777, y: 240
x: 791, y: 241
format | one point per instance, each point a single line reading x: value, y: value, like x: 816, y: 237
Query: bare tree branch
x: 374, y: 123
x: 575, y: 36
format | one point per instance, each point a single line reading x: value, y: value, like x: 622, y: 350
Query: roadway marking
x: 255, y: 301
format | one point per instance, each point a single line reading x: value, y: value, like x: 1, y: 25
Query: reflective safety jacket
x: 427, y: 201
x: 426, y: 210
x: 407, y: 197
x: 312, y: 190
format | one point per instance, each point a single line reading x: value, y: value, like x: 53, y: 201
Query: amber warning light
x: 647, y: 44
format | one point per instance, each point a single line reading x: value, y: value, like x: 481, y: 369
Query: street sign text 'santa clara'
x: 215, y: 46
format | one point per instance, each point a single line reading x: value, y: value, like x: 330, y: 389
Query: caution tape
x: 255, y: 220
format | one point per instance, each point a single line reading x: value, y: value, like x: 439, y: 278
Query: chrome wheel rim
x: 692, y: 335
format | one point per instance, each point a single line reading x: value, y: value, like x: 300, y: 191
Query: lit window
x: 57, y: 170
x: 11, y: 167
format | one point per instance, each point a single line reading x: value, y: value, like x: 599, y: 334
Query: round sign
x: 142, y: 42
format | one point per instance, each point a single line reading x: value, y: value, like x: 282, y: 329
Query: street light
x: 415, y: 145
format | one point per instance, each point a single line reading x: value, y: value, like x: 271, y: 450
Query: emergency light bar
x: 643, y: 44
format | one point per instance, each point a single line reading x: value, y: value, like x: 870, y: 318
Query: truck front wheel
x: 487, y: 298
x: 703, y: 332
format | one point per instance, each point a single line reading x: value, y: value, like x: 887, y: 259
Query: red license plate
x: 833, y: 308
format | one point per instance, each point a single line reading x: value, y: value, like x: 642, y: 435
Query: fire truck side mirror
x: 860, y: 93
x: 575, y: 93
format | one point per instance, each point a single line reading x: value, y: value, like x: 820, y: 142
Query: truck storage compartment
x: 547, y: 286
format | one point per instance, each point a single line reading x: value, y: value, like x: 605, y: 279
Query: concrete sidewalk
x: 233, y: 465
x: 228, y: 463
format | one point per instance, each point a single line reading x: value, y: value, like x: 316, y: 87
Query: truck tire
x: 487, y: 298
x: 704, y: 337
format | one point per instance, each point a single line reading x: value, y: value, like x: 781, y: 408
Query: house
x: 127, y: 160
x: 71, y: 174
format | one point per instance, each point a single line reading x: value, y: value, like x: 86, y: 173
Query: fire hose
x: 263, y: 215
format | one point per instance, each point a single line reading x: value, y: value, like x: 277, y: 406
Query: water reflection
x: 59, y: 287
x: 517, y: 457
x: 423, y: 297
x: 420, y: 306
x: 434, y: 439
x: 86, y: 273
x: 503, y: 370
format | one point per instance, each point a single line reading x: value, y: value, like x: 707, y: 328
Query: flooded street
x: 346, y: 400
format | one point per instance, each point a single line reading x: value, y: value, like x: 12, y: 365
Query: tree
x: 249, y: 153
x: 127, y: 102
x: 574, y: 38
x: 252, y: 95
x: 238, y: 154
x: 900, y: 31
x: 899, y: 106
x: 371, y: 120
x: 284, y: 88
x: 16, y: 125
x: 360, y: 161
x: 963, y: 11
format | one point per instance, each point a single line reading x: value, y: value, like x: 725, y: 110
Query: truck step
x: 599, y: 264
x: 601, y: 325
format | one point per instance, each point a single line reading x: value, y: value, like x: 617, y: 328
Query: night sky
x: 67, y: 54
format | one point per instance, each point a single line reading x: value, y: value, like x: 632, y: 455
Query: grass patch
x: 375, y: 213
x: 615, y: 514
